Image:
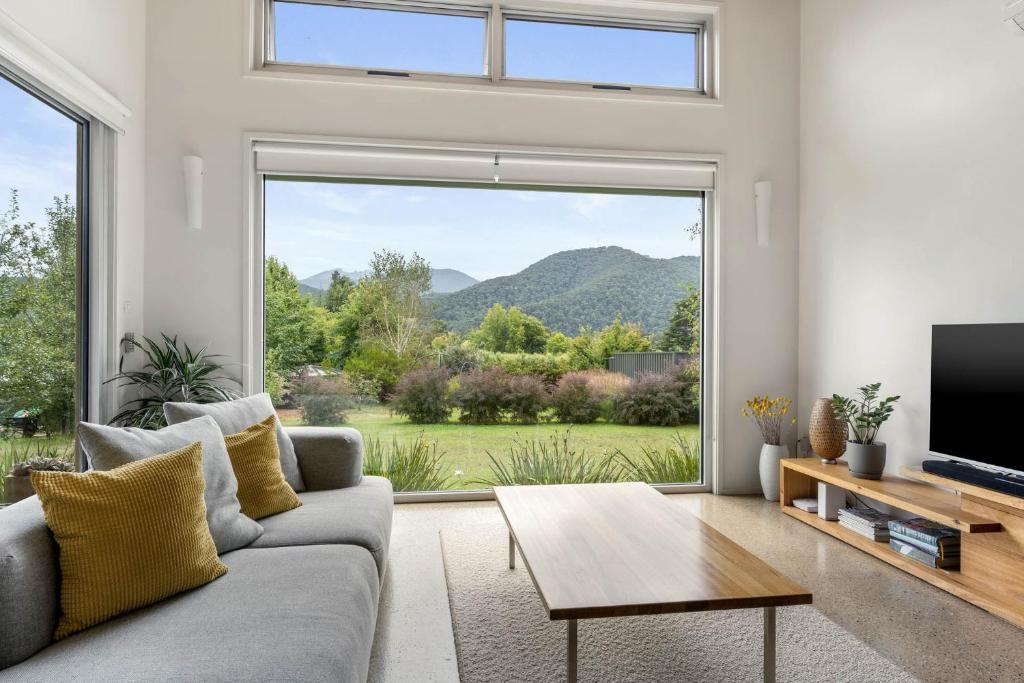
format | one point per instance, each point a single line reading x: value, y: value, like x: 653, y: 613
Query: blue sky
x: 347, y: 36
x: 38, y: 152
x: 485, y: 233
x: 320, y: 226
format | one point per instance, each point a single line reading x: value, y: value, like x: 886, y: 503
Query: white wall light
x: 763, y: 211
x: 194, y: 192
x: 1014, y: 14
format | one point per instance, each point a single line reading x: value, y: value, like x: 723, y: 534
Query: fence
x: 645, y: 362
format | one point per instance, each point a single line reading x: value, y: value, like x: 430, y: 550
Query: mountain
x: 442, y: 280
x: 580, y: 287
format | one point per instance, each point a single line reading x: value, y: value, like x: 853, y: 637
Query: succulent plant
x: 22, y: 469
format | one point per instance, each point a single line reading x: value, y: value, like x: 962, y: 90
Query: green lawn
x: 466, y: 446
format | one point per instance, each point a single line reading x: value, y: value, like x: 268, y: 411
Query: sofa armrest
x: 329, y: 457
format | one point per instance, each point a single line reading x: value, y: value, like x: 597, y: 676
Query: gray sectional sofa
x: 298, y: 604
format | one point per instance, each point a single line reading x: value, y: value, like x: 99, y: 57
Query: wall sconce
x: 763, y: 211
x: 194, y: 192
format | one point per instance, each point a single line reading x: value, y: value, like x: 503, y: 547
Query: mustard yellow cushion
x: 262, y: 488
x: 128, y: 537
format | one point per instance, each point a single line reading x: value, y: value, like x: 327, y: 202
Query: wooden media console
x: 991, y: 523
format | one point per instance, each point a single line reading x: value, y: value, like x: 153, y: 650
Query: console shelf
x: 991, y: 573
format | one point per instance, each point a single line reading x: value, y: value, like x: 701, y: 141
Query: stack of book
x: 928, y: 542
x: 866, y: 522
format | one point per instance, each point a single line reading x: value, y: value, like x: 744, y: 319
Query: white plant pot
x: 769, y: 469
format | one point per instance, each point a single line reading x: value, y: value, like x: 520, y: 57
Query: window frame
x: 84, y: 359
x: 254, y: 262
x: 701, y: 21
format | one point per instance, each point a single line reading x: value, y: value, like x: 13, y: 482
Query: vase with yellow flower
x: 770, y: 414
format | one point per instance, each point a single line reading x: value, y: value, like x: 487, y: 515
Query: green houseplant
x: 170, y: 373
x: 865, y: 415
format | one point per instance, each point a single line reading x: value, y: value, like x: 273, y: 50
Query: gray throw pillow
x: 236, y: 416
x: 110, y: 447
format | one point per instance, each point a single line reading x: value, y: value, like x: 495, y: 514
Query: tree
x: 510, y: 331
x: 38, y: 313
x: 395, y: 314
x: 557, y: 343
x: 295, y: 328
x: 621, y: 337
x: 683, y: 332
x: 338, y: 292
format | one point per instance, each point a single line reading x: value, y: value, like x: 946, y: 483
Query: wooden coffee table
x: 616, y: 550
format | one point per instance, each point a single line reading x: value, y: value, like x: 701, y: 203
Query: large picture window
x: 42, y: 302
x: 658, y: 50
x: 480, y: 335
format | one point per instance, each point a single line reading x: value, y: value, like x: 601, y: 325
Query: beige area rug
x: 503, y: 634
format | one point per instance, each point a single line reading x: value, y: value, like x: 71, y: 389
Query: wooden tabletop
x: 606, y: 550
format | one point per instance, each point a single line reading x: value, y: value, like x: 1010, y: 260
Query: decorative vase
x: 17, y: 488
x: 828, y: 433
x: 768, y: 467
x: 866, y: 461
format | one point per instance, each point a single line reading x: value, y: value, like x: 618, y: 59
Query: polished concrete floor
x: 927, y: 632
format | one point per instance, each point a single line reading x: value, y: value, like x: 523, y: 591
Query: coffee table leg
x: 570, y: 651
x: 769, y: 645
x: 511, y: 551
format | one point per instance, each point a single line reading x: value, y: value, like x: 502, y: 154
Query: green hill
x: 442, y: 280
x: 580, y: 287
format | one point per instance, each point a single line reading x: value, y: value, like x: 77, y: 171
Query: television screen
x: 977, y: 395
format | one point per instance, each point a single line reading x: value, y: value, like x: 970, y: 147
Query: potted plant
x: 865, y: 415
x: 170, y: 373
x: 768, y: 414
x: 18, y: 484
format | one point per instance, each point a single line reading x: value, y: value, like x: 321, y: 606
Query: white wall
x: 912, y: 163
x: 105, y: 39
x: 198, y: 102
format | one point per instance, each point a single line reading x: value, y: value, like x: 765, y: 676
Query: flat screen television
x: 977, y: 394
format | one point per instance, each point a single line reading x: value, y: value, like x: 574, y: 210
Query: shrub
x: 688, y: 376
x: 550, y: 366
x: 676, y: 464
x: 422, y: 396
x: 461, y: 358
x: 378, y: 368
x: 481, y: 396
x: 575, y: 401
x: 525, y: 398
x: 550, y: 461
x: 413, y: 466
x: 651, y: 400
x: 322, y: 400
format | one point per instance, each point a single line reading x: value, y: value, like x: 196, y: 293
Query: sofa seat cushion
x: 360, y: 515
x: 279, y: 614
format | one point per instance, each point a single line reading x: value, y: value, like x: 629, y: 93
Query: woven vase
x: 828, y: 434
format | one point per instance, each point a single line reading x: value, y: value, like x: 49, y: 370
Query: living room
x: 529, y: 340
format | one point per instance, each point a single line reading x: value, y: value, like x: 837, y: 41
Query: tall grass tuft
x: 412, y: 466
x: 678, y: 464
x: 551, y: 461
x: 11, y: 453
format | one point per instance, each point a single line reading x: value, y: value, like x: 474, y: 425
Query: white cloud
x: 590, y: 205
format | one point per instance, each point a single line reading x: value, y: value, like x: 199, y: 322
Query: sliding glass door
x: 43, y: 149
x: 484, y: 334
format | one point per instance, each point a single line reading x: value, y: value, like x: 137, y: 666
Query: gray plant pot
x: 17, y: 488
x: 866, y: 461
